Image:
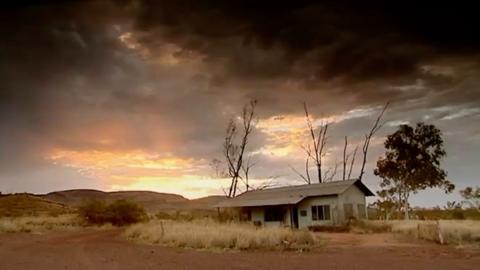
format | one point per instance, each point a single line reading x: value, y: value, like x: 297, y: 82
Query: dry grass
x: 17, y: 205
x: 42, y: 224
x: 208, y: 234
x: 456, y: 232
x: 38, y: 224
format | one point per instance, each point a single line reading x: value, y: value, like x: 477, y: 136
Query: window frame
x: 321, y: 212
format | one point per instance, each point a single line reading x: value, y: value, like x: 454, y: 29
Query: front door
x: 295, y: 217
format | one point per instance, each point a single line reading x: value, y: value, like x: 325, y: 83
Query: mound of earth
x: 29, y: 204
x: 152, y: 202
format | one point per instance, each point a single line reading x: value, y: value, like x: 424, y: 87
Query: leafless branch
x: 319, y: 141
x: 376, y: 126
x: 345, y: 158
x: 307, y: 170
x: 304, y: 178
x: 328, y: 177
x: 353, y: 154
x: 233, y: 152
x: 246, y: 169
x: 218, y: 170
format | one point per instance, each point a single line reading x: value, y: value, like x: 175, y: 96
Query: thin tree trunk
x: 345, y: 158
x: 307, y: 173
x: 406, y: 206
x: 406, y: 212
x: 352, y: 163
x: 376, y: 126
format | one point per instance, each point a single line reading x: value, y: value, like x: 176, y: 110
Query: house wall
x: 306, y: 205
x: 258, y: 216
x: 354, y: 196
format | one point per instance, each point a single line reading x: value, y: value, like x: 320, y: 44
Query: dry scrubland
x: 27, y: 213
x: 455, y: 232
x: 209, y: 234
x: 39, y: 224
x: 17, y: 205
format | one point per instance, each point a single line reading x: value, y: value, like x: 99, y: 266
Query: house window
x: 321, y: 212
x: 303, y: 213
x: 274, y: 214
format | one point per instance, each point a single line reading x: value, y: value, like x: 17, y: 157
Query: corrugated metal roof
x: 291, y: 194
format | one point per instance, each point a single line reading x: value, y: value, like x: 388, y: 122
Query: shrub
x: 94, y: 212
x: 124, y: 212
x: 164, y: 215
x: 118, y: 213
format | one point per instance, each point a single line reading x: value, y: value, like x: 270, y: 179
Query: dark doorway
x: 295, y: 217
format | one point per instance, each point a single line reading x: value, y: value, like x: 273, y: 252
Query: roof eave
x: 364, y: 188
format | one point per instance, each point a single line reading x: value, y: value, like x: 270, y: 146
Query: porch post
x: 291, y: 217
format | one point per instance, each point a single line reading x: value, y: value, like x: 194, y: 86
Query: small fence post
x: 439, y: 232
x: 163, y: 229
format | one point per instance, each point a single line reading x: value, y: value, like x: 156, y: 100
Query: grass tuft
x: 39, y: 224
x: 456, y: 232
x: 209, y: 234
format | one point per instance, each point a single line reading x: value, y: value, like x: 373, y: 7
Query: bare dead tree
x: 352, y: 162
x: 330, y: 174
x: 366, y: 143
x: 345, y: 158
x: 319, y: 141
x: 216, y: 166
x: 303, y: 177
x: 234, y: 152
x: 268, y: 183
x: 246, y: 169
x: 307, y: 170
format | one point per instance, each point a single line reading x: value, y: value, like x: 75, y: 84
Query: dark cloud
x: 360, y: 41
x: 165, y: 76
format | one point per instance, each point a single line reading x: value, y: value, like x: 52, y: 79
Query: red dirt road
x: 105, y: 250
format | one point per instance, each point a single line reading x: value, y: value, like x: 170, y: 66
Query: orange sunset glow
x: 119, y: 95
x: 238, y: 134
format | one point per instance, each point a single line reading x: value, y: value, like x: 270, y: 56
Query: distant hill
x: 29, y: 204
x: 206, y: 202
x: 151, y: 201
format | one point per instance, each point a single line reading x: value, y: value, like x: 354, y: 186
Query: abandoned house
x: 331, y: 203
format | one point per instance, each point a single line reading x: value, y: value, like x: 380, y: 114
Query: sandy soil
x: 106, y: 250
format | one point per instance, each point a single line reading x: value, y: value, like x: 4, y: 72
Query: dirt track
x: 105, y: 250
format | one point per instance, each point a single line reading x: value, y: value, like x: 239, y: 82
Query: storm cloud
x: 85, y: 83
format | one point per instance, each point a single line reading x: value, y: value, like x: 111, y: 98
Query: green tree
x: 386, y: 204
x: 412, y: 163
x: 472, y: 197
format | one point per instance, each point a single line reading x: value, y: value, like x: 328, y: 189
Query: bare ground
x: 106, y: 250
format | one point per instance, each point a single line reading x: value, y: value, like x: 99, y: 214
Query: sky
x: 122, y: 95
